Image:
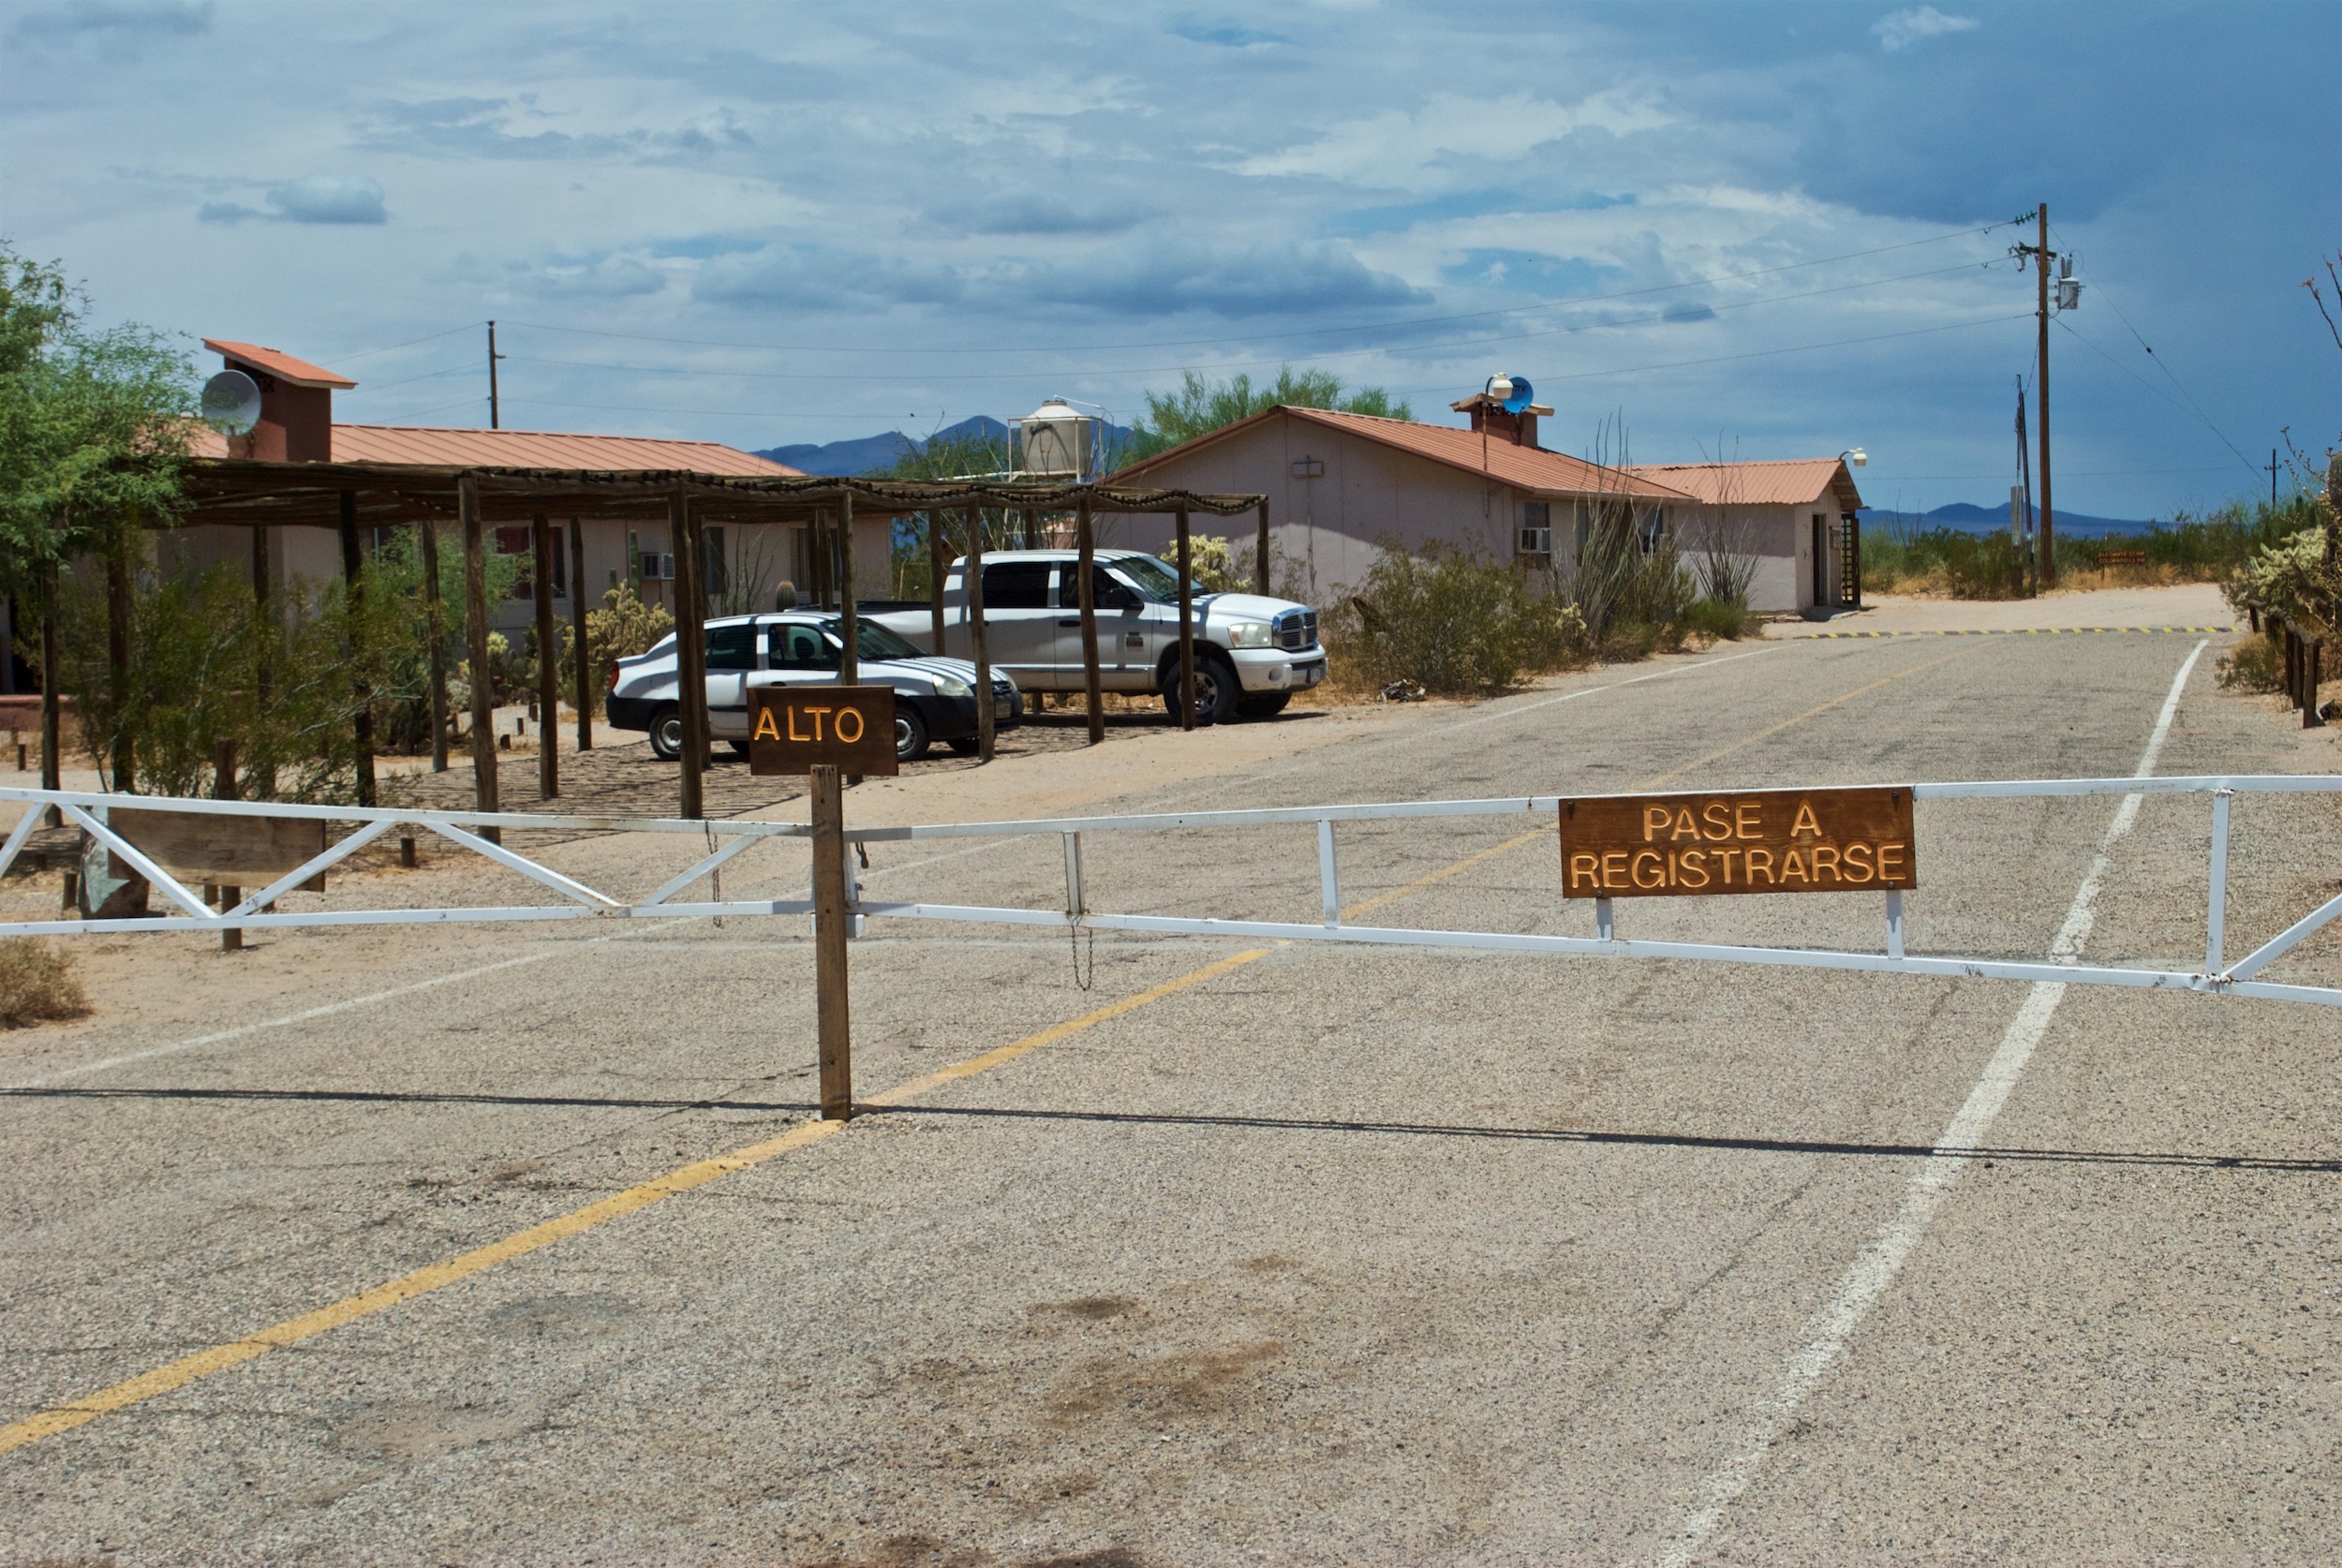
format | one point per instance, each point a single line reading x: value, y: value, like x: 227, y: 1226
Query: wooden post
x: 548, y: 661
x: 52, y: 764
x: 484, y: 740
x: 834, y: 1025
x: 690, y: 644
x: 362, y: 695
x: 1187, y: 629
x: 264, y: 674
x: 1084, y: 567
x: 224, y: 788
x: 973, y: 575
x: 849, y: 616
x: 1260, y: 551
x: 939, y: 563
x: 435, y: 618
x: 817, y: 541
x: 577, y: 635
x: 125, y: 758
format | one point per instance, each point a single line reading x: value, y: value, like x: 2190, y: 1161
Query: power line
x: 2193, y: 406
x: 2158, y: 391
x: 1760, y: 353
x: 362, y: 353
x: 1273, y: 337
x: 1661, y: 318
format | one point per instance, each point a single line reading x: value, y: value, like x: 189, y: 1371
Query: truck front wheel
x: 1216, y: 688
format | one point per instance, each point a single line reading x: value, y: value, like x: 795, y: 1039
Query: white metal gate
x: 727, y: 839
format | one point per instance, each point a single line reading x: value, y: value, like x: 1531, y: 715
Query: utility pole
x: 2049, y: 558
x: 495, y: 413
x: 2273, y: 479
x: 2040, y: 255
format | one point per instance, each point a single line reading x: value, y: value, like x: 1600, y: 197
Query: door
x: 1128, y: 642
x: 1020, y: 623
x: 1821, y: 562
x: 730, y: 655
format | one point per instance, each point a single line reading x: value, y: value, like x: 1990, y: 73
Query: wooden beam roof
x: 267, y: 495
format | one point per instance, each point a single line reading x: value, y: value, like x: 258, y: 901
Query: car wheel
x: 666, y: 734
x: 1268, y: 705
x: 910, y: 733
x: 1216, y: 691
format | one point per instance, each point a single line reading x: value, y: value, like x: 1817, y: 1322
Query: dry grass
x: 37, y: 983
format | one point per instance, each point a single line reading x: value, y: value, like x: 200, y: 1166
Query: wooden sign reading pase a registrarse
x: 793, y: 728
x: 1738, y: 841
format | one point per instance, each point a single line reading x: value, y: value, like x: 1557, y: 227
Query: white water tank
x: 1058, y: 442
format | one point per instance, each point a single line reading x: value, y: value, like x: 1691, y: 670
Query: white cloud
x: 1398, y: 147
x: 1905, y: 28
x: 313, y: 198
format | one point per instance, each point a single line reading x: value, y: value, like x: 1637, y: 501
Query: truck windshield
x: 875, y: 641
x: 1150, y: 577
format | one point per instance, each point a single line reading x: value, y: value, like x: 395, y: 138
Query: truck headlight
x: 1251, y: 634
x: 951, y: 686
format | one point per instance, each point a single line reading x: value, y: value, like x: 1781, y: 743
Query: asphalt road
x: 1322, y: 1254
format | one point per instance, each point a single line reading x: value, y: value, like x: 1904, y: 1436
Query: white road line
x: 289, y: 1018
x: 1876, y: 1266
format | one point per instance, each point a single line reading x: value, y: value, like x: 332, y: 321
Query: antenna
x: 231, y: 402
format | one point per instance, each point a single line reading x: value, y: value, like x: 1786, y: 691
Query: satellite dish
x: 1518, y: 394
x: 231, y: 402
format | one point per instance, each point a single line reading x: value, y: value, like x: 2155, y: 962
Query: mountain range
x: 1984, y: 520
x: 875, y: 453
x: 867, y: 454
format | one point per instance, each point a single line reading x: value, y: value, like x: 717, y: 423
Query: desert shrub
x: 1721, y: 619
x: 1456, y: 623
x: 37, y: 983
x: 2295, y: 579
x: 2253, y: 665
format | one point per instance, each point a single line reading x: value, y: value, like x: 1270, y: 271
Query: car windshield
x: 875, y: 641
x: 1150, y: 577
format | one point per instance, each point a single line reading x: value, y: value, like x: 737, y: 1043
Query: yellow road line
x: 1771, y: 730
x: 202, y: 1364
x: 178, y: 1374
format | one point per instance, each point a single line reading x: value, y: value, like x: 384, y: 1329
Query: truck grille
x: 1295, y: 628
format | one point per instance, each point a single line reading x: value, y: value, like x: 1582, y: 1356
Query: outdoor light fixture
x: 1856, y: 455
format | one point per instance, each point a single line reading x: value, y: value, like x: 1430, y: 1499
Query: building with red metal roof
x: 748, y: 565
x: 1343, y: 486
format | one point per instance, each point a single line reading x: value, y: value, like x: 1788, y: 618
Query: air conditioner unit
x: 1536, y: 541
x: 657, y: 566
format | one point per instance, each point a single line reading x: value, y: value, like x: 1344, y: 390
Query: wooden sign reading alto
x: 1745, y: 841
x: 792, y: 728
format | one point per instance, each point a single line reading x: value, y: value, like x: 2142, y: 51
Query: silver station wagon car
x: 935, y: 699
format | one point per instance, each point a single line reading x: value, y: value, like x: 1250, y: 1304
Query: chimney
x: 1490, y: 414
x: 296, y: 403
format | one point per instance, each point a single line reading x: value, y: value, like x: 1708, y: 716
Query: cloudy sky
x: 1776, y: 230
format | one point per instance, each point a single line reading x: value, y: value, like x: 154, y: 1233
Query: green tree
x: 1198, y: 408
x: 93, y: 423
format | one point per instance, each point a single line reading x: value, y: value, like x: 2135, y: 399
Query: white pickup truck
x: 1252, y: 652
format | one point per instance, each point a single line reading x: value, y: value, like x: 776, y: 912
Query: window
x: 1653, y: 528
x: 732, y: 647
x: 515, y: 541
x: 802, y: 648
x: 1536, y: 529
x: 1016, y: 585
x: 1104, y: 591
x: 718, y: 564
